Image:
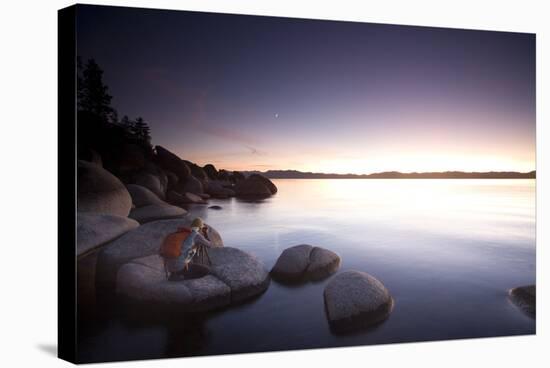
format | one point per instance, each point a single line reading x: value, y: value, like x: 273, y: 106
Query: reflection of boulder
x: 305, y: 262
x: 234, y: 276
x: 140, y: 242
x: 354, y: 300
x: 170, y: 162
x: 255, y: 186
x: 94, y: 230
x: 101, y: 192
x: 155, y: 212
x: 142, y: 196
x: 525, y: 297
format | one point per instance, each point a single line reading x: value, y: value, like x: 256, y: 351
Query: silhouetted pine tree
x: 92, y: 93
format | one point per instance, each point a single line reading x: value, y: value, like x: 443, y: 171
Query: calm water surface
x: 448, y: 251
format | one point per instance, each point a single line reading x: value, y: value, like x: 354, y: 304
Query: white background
x: 28, y: 193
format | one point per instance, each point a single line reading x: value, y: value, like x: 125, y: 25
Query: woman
x: 182, y: 267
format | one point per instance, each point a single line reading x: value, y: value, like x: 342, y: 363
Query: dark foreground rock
x: 355, y: 300
x: 155, y: 212
x: 99, y: 191
x: 305, y: 262
x: 94, y: 230
x: 141, y: 242
x: 234, y: 276
x: 525, y: 297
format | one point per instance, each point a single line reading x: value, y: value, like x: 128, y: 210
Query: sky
x: 268, y: 93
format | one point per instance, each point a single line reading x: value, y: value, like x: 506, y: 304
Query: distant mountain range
x: 294, y: 174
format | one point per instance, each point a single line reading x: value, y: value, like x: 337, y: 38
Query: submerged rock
x: 250, y: 188
x: 525, y: 297
x: 99, y: 191
x: 94, y: 230
x: 305, y: 262
x: 215, y: 207
x: 142, y: 196
x: 355, y: 300
x: 155, y: 212
x: 235, y: 276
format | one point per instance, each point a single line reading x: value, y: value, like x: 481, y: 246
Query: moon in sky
x: 276, y: 116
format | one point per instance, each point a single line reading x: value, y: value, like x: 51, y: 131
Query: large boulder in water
x: 355, y: 300
x: 305, y: 262
x: 268, y: 183
x: 255, y: 186
x: 525, y: 297
x: 94, y: 230
x: 138, y: 243
x: 142, y: 196
x: 100, y: 191
x: 170, y: 162
x: 155, y: 212
x: 234, y: 277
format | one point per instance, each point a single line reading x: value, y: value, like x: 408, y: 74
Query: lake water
x: 447, y: 250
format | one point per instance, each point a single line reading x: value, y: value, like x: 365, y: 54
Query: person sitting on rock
x: 183, y: 267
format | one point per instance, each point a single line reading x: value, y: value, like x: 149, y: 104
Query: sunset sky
x: 260, y: 93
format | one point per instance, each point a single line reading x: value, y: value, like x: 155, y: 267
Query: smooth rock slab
x: 142, y: 196
x: 235, y: 276
x: 305, y: 262
x: 243, y: 272
x: 99, y: 191
x: 96, y: 229
x: 155, y: 212
x: 525, y: 297
x: 141, y: 242
x: 151, y: 182
x: 355, y: 300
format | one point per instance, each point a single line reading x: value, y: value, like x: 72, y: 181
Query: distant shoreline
x: 293, y: 174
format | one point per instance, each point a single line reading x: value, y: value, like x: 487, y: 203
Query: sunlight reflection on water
x: 448, y: 251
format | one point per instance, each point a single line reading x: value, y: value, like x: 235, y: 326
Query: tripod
x: 201, y: 255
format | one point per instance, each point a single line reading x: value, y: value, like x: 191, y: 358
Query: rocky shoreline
x: 125, y: 213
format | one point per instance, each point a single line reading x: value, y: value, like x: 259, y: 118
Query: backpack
x: 171, y: 245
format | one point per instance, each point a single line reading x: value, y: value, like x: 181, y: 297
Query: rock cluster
x: 355, y: 300
x: 305, y: 262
